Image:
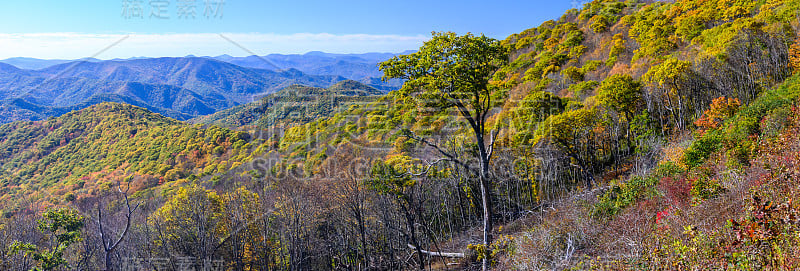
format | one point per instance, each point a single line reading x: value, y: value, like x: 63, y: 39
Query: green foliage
x: 617, y: 47
x: 567, y: 129
x: 621, y: 93
x: 77, y: 147
x: 573, y: 73
x: 623, y: 195
x: 736, y: 135
x: 539, y: 105
x: 534, y: 108
x: 591, y: 65
x: 668, y: 169
x: 389, y: 179
x: 702, y: 148
x: 651, y: 28
x: 600, y: 23
x: 704, y: 188
x: 452, y: 70
x: 643, y: 126
x: 668, y: 74
x: 191, y: 217
x: 583, y: 88
x: 64, y: 227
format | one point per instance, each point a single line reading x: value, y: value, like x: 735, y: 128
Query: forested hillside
x: 624, y: 135
x: 82, y: 153
x: 296, y: 104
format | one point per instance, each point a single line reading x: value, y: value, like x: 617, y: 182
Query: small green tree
x: 572, y: 133
x: 451, y: 71
x: 667, y: 82
x: 621, y: 93
x: 63, y: 226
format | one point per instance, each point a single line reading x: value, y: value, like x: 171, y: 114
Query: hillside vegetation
x: 625, y: 135
x: 296, y: 104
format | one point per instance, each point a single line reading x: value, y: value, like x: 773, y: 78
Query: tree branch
x: 449, y: 156
x: 437, y: 254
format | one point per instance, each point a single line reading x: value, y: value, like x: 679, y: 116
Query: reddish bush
x: 676, y: 191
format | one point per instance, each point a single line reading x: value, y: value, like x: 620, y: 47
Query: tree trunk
x: 487, y: 220
x: 486, y: 198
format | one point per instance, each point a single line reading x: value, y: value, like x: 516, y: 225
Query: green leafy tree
x: 667, y: 81
x: 621, y: 93
x: 452, y: 71
x: 572, y: 133
x: 64, y: 228
x: 190, y: 223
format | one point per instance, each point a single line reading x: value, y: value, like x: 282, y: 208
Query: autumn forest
x: 623, y: 135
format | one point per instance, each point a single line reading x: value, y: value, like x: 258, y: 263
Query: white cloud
x: 66, y: 45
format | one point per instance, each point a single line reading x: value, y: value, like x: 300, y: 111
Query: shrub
x: 621, y: 196
x: 702, y: 148
x: 704, y: 188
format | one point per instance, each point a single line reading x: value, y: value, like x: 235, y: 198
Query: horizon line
x: 76, y: 46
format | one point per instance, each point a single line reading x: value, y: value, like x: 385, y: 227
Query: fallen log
x: 438, y: 254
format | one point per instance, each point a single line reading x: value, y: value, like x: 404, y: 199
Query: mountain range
x: 358, y: 67
x: 181, y: 88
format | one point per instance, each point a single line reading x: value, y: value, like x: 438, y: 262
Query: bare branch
x: 438, y: 254
x: 449, y: 156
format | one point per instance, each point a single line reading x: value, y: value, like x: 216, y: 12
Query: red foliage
x: 767, y: 221
x: 661, y: 215
x: 676, y: 191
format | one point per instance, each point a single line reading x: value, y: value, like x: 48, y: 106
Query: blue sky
x: 74, y: 29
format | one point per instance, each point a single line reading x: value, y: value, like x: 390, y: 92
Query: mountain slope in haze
x: 35, y: 63
x: 295, y: 104
x: 206, y: 77
x: 359, y: 67
x: 20, y: 109
x: 178, y: 87
x: 352, y: 66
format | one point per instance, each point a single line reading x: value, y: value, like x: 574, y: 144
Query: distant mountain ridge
x: 353, y: 66
x: 360, y: 67
x: 182, y: 87
x: 178, y: 87
x: 296, y: 104
x: 29, y: 63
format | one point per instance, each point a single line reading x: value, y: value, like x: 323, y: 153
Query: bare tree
x: 108, y: 242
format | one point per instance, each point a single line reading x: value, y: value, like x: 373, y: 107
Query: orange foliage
x: 620, y: 68
x: 794, y: 55
x: 720, y: 109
